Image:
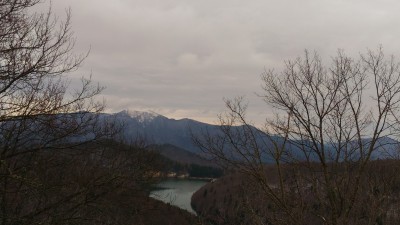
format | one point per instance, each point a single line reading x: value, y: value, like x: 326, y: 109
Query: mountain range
x: 160, y: 130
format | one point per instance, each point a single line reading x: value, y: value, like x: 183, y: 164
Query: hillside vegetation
x: 234, y: 199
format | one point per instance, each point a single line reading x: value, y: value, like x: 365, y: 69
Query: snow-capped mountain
x: 140, y: 116
x: 158, y: 129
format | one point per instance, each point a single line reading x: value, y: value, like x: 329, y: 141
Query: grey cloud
x: 184, y: 56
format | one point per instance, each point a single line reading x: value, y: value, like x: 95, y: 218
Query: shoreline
x: 209, y: 179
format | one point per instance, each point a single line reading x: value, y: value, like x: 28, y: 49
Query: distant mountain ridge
x: 141, y: 116
x: 158, y: 129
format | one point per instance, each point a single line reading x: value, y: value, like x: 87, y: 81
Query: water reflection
x: 178, y: 192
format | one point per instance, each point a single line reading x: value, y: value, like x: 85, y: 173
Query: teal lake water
x: 178, y: 192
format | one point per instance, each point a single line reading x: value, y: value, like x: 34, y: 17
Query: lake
x: 178, y: 192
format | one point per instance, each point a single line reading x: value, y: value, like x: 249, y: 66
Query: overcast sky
x: 180, y: 58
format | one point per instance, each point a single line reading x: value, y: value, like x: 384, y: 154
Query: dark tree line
x: 192, y: 169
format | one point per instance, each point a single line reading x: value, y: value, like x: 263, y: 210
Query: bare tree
x: 330, y: 123
x: 42, y: 120
x: 60, y: 159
